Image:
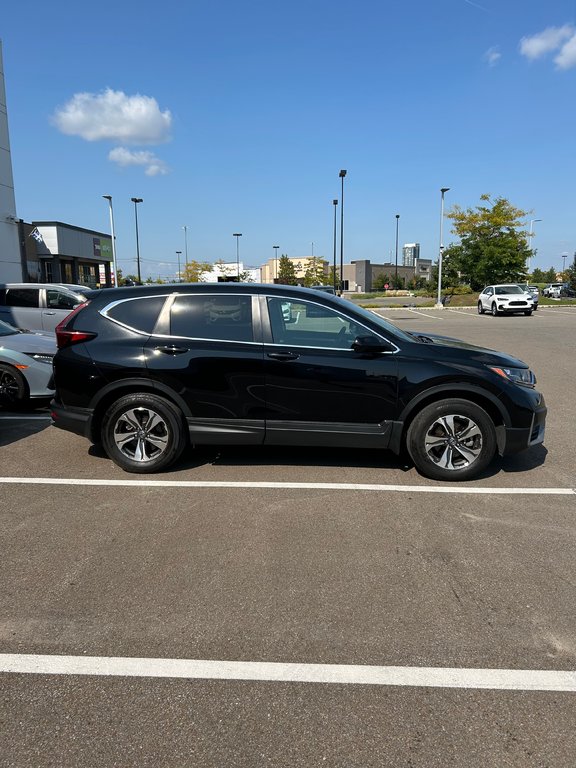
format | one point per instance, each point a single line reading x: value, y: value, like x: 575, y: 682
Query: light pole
x: 178, y: 254
x: 335, y: 204
x: 137, y: 200
x: 275, y: 263
x: 109, y: 198
x: 396, y: 267
x: 237, y: 235
x: 185, y: 228
x: 439, y: 304
x: 342, y: 174
x: 530, y: 236
x: 564, y: 257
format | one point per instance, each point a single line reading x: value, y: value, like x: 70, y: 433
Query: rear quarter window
x: 138, y: 314
x: 22, y: 297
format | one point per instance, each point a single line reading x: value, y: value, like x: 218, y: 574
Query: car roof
x: 131, y: 291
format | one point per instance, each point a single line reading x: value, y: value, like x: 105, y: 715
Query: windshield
x: 385, y: 325
x: 7, y: 330
x: 502, y: 290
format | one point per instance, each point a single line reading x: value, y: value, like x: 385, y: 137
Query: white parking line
x: 25, y: 417
x: 474, y: 490
x: 342, y: 674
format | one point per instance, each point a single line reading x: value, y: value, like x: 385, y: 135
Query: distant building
x: 223, y: 271
x: 301, y: 264
x: 410, y: 253
x: 10, y: 262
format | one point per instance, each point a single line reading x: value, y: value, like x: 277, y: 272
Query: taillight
x: 66, y: 338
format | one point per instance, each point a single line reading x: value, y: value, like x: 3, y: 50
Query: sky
x: 236, y: 117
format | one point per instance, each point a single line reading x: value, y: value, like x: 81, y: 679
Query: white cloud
x: 567, y: 56
x: 546, y: 41
x: 113, y: 115
x: 126, y: 157
x: 491, y: 56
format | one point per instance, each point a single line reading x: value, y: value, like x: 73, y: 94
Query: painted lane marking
x: 289, y: 486
x: 25, y: 418
x: 347, y: 674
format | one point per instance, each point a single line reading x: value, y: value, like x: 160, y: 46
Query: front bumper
x: 513, y: 440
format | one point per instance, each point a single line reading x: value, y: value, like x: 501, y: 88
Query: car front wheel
x: 528, y: 312
x: 13, y: 389
x: 451, y: 440
x: 494, y: 309
x: 480, y: 308
x: 143, y: 433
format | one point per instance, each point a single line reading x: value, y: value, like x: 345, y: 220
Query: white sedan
x: 505, y: 299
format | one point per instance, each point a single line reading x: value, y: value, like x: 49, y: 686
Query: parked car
x: 505, y: 299
x: 147, y: 371
x: 567, y: 293
x: 533, y: 290
x: 550, y: 289
x: 36, y: 306
x: 25, y: 365
x: 325, y: 288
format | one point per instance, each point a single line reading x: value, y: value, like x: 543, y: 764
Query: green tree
x: 550, y: 275
x: 193, y: 270
x: 571, y: 274
x: 380, y: 281
x: 538, y: 276
x: 493, y: 245
x: 451, y: 261
x: 286, y: 271
x: 315, y: 273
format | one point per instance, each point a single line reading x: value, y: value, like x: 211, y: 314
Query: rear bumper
x: 76, y: 420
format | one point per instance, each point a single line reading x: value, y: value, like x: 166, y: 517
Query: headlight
x: 522, y: 376
x: 40, y: 358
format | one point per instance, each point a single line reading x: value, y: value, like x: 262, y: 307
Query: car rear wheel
x: 494, y: 309
x: 143, y: 433
x: 480, y: 308
x: 13, y: 388
x: 451, y: 440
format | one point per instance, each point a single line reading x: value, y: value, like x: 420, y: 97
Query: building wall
x: 10, y: 261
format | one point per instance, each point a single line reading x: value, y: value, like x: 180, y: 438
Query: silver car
x: 36, y: 306
x: 25, y: 365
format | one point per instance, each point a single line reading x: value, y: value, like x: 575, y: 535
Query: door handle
x: 172, y: 350
x: 49, y: 313
x: 283, y: 356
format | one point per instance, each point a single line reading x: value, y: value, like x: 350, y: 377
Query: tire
x: 528, y: 312
x: 480, y: 308
x: 438, y: 443
x: 157, y: 426
x: 494, y: 309
x: 13, y: 387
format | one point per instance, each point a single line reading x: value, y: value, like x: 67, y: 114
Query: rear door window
x: 213, y: 317
x: 56, y: 299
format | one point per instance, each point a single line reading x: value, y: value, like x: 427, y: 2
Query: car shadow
x: 19, y: 422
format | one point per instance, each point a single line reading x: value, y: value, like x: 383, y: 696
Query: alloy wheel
x: 453, y: 442
x: 141, y: 434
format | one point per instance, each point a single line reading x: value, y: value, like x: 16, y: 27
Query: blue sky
x: 237, y: 117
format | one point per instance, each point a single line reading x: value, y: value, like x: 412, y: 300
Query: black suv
x: 147, y: 370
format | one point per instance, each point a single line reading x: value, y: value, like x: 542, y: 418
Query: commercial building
x: 410, y: 254
x: 302, y: 264
x: 359, y: 276
x: 10, y: 262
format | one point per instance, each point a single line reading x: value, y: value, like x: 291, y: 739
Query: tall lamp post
x: 185, y: 228
x: 237, y: 235
x: 335, y: 204
x: 439, y: 304
x: 275, y: 263
x: 115, y: 266
x: 530, y: 236
x: 178, y: 254
x: 396, y: 268
x: 137, y: 200
x: 342, y: 174
x: 564, y: 257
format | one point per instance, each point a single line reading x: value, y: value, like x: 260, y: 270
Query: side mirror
x: 371, y: 345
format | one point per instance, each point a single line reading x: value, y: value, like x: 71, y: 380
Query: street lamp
x: 335, y: 204
x: 530, y: 236
x: 178, y: 254
x: 396, y: 268
x: 137, y: 200
x: 439, y: 304
x: 109, y: 198
x: 342, y: 174
x: 275, y: 263
x: 564, y: 257
x: 185, y: 228
x: 237, y: 235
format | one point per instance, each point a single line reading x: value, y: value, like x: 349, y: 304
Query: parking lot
x: 294, y: 607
